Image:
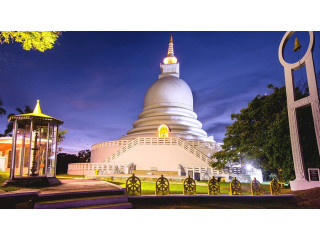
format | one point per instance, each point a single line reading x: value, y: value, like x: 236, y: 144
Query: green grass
x: 148, y: 188
x: 66, y: 176
x: 3, y: 177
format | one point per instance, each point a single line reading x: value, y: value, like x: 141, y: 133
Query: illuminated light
x: 37, y: 109
x: 170, y: 60
x: 37, y: 113
x: 249, y: 167
x: 163, y: 131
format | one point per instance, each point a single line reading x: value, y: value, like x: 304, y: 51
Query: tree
x: 2, y: 110
x: 37, y: 40
x: 63, y: 159
x: 9, y: 129
x: 84, y: 155
x: 260, y: 133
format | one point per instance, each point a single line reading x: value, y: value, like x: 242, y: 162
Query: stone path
x: 70, y: 185
x: 75, y: 185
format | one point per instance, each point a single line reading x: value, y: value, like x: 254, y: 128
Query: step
x: 125, y: 205
x: 81, y: 202
x: 78, y: 194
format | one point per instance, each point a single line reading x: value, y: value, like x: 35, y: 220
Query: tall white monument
x: 169, y: 101
x: 167, y: 138
x: 312, y: 100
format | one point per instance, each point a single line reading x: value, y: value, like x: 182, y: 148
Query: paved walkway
x: 76, y: 185
x: 70, y: 185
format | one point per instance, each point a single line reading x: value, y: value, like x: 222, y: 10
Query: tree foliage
x: 84, y: 155
x: 260, y: 134
x: 2, y: 110
x: 63, y: 159
x: 31, y: 40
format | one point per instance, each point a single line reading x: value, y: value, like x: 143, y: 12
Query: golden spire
x: 170, y: 48
x: 37, y: 109
x: 170, y: 59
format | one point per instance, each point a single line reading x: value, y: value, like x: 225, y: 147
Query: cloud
x: 214, y: 105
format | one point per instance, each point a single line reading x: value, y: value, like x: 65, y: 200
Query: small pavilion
x: 33, y: 156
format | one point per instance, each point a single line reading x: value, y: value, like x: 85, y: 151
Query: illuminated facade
x: 167, y: 138
x: 163, y: 131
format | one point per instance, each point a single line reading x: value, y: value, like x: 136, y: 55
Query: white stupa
x: 169, y: 101
x: 166, y: 139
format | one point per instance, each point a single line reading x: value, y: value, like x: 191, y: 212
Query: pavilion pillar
x: 13, y: 151
x: 30, y: 147
x: 47, y: 150
x: 56, y: 148
x: 22, y: 152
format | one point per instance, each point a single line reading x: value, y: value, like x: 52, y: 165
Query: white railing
x: 103, y: 168
x: 119, y: 143
x: 160, y: 141
x: 110, y: 144
x: 198, y: 169
x: 202, y: 144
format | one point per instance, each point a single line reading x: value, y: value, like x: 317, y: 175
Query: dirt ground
x: 308, y: 198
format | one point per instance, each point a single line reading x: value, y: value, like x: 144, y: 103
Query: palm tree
x: 9, y: 129
x: 2, y: 110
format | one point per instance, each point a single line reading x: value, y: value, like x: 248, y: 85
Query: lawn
x: 3, y: 177
x: 66, y: 176
x: 148, y: 188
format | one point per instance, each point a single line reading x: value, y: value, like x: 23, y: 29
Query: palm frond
x: 28, y: 109
x: 19, y: 110
x: 2, y: 111
x: 10, y: 115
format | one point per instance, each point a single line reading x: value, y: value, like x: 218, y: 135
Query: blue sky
x: 96, y: 81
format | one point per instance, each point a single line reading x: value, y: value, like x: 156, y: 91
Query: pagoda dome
x: 169, y: 91
x: 169, y: 102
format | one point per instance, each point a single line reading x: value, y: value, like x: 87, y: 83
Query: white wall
x: 163, y: 157
x: 100, y: 154
x: 3, y: 164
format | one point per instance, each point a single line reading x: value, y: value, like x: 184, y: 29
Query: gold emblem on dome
x: 163, y: 131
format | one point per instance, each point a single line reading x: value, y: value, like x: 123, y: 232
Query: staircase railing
x: 160, y: 141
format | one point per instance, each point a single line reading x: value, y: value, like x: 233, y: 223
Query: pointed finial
x: 170, y: 48
x: 37, y: 109
x: 170, y: 59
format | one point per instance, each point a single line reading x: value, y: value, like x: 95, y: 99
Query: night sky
x: 96, y: 81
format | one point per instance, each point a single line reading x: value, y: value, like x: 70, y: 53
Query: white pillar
x: 22, y: 152
x: 13, y: 151
x: 47, y: 150
x: 30, y: 147
x: 300, y: 182
x: 56, y: 148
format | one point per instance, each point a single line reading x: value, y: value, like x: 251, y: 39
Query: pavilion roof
x: 37, y: 115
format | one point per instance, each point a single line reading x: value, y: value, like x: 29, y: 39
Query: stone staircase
x: 100, y: 199
x: 160, y: 141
